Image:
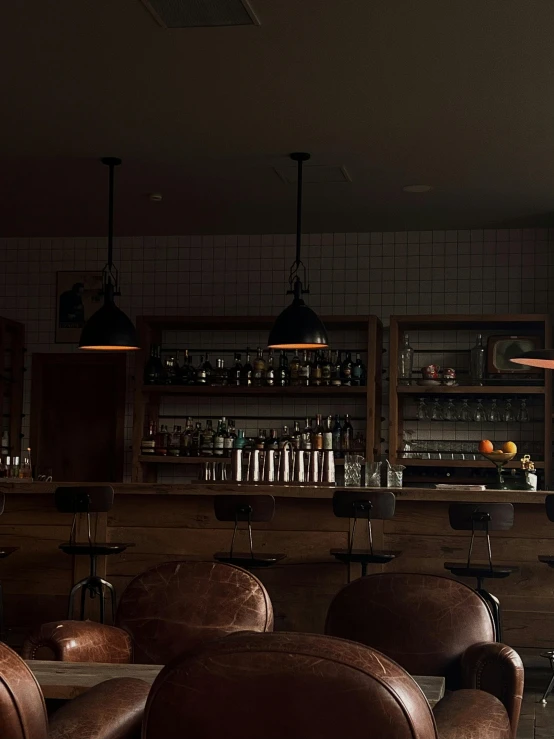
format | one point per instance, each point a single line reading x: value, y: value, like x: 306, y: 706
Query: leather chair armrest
x: 78, y: 641
x: 471, y: 713
x: 111, y: 710
x: 497, y: 669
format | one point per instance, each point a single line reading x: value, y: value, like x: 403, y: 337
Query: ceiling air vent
x: 314, y: 173
x: 201, y: 13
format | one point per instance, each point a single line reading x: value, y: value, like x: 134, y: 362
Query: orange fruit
x: 486, y: 446
x: 509, y: 448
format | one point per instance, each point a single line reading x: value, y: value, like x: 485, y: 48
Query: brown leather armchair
x: 433, y: 625
x: 111, y: 710
x: 167, y: 610
x: 279, y: 685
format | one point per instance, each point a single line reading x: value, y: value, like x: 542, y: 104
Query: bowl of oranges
x: 498, y: 456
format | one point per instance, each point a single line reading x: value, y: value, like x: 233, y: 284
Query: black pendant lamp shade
x: 539, y: 358
x: 109, y: 329
x: 298, y: 326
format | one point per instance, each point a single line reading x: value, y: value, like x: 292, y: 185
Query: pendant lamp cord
x: 110, y: 274
x: 298, y: 276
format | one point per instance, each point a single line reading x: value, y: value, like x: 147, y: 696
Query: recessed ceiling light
x: 417, y: 188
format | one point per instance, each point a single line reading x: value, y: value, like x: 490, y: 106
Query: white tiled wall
x: 481, y: 271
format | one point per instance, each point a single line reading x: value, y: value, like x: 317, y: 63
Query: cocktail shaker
x: 299, y: 473
x: 285, y: 463
x: 314, y: 466
x: 236, y: 465
x: 328, y: 470
x: 269, y: 466
x: 254, y: 466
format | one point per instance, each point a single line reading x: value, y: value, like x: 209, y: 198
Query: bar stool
x: 549, y: 560
x: 378, y: 505
x: 482, y: 517
x: 94, y: 499
x: 246, y: 509
x: 4, y: 552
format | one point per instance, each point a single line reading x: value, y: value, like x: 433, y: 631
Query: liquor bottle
x: 201, y: 378
x: 304, y: 370
x: 326, y: 369
x: 148, y: 443
x: 171, y: 371
x: 240, y: 441
x: 270, y: 371
x: 153, y: 369
x: 272, y: 442
x: 335, y: 370
x: 191, y: 372
x: 259, y: 366
x: 208, y: 440
x: 160, y: 447
x: 296, y: 437
x: 184, y: 370
x: 285, y: 437
x: 235, y: 371
x: 186, y: 439
x: 25, y: 470
x: 405, y: 362
x: 247, y: 371
x: 230, y: 439
x: 294, y: 369
x: 209, y: 370
x: 477, y: 362
x: 197, y: 441
x: 219, y: 441
x: 283, y: 370
x: 261, y: 439
x: 328, y: 433
x: 316, y: 372
x: 220, y: 375
x: 317, y: 434
x: 347, y: 435
x: 358, y: 372
x: 174, y: 443
x: 346, y: 370
x: 337, y: 435
x: 307, y: 436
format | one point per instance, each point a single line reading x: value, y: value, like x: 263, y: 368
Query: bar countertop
x: 281, y: 491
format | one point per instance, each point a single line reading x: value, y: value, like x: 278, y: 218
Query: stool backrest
x: 364, y: 504
x: 481, y: 516
x: 22, y: 709
x: 286, y: 685
x: 255, y: 508
x: 178, y: 606
x: 84, y: 499
x: 423, y: 622
x: 549, y: 502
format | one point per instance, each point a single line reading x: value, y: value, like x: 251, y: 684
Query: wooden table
x: 66, y: 680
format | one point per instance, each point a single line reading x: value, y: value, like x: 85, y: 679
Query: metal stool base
x: 94, y: 585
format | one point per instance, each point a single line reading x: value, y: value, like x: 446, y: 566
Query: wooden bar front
x: 177, y: 522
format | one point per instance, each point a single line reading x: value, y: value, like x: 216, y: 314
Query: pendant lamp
x: 539, y: 358
x: 109, y: 329
x: 298, y: 326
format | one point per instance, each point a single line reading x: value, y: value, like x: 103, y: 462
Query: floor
x: 537, y: 721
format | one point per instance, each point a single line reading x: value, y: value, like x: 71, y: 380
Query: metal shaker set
x: 283, y: 466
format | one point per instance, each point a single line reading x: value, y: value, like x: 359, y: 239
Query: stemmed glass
x: 464, y: 413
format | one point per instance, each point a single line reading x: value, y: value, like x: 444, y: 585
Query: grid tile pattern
x: 478, y: 271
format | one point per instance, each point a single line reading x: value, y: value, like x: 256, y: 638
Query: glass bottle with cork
x: 259, y: 366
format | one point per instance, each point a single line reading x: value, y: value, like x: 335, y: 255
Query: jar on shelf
x: 405, y: 362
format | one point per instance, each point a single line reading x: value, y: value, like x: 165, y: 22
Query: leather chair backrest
x: 22, y: 709
x: 423, y: 622
x: 177, y: 606
x: 279, y: 685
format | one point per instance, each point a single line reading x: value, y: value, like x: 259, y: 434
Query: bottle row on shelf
x: 16, y: 468
x: 197, y: 441
x: 321, y: 368
x: 479, y: 413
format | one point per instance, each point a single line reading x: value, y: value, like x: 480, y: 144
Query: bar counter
x: 177, y: 522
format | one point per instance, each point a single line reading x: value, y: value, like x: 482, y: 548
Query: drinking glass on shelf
x: 464, y: 411
x: 479, y: 415
x: 493, y: 416
x: 436, y: 411
x: 422, y: 410
x: 523, y: 415
x: 449, y: 413
x: 508, y: 413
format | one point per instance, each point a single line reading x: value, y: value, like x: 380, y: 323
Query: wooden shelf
x: 156, y: 459
x: 478, y: 463
x: 234, y: 391
x: 470, y: 390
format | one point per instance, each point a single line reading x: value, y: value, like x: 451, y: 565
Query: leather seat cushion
x: 471, y: 714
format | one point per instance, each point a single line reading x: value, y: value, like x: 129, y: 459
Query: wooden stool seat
x: 6, y: 551
x: 364, y: 556
x: 94, y: 550
x: 547, y: 559
x: 481, y: 572
x: 248, y: 561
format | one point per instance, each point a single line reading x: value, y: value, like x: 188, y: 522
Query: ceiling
x: 458, y: 95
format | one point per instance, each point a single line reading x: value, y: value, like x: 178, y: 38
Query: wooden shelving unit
x: 399, y: 395
x: 12, y: 352
x: 148, y: 397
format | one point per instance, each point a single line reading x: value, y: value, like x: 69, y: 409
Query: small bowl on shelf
x: 499, y: 458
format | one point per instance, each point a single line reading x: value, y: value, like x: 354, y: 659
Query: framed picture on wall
x: 78, y: 296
